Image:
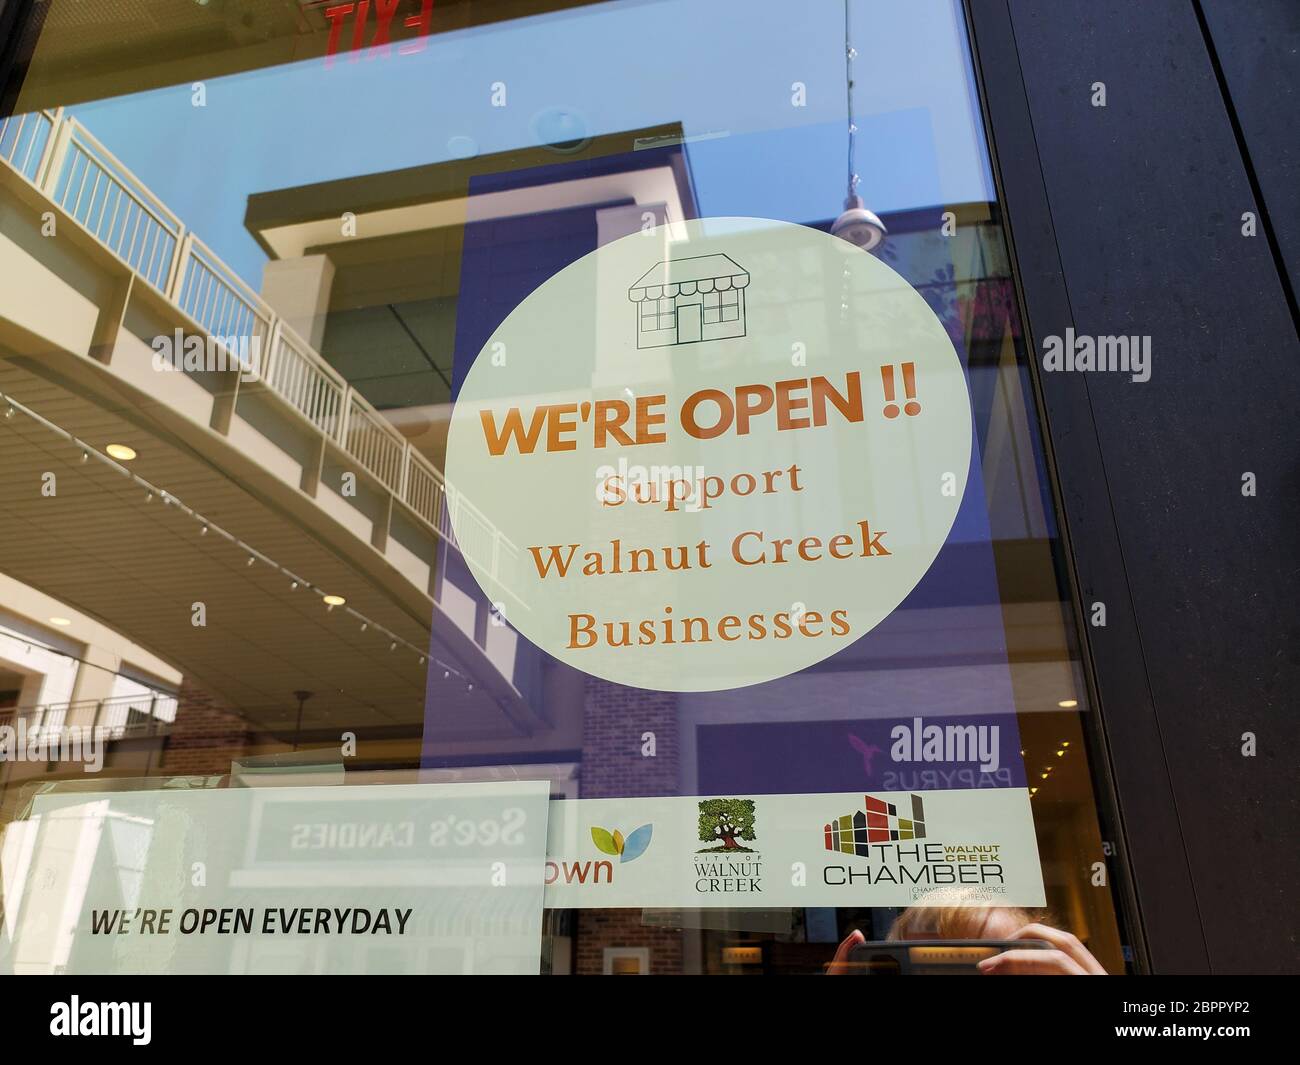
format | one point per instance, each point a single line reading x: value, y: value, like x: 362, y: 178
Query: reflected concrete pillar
x: 298, y: 290
x: 628, y: 218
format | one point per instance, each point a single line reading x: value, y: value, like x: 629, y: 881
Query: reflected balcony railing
x: 120, y: 717
x: 60, y: 157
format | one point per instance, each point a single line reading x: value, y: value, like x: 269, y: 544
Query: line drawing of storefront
x: 684, y: 301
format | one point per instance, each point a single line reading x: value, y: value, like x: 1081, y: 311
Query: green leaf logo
x: 605, y: 843
x: 627, y: 848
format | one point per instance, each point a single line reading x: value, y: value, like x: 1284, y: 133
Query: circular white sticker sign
x: 710, y: 454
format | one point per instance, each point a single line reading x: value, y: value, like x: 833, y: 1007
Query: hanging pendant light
x: 857, y: 225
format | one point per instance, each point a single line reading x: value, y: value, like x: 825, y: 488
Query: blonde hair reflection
x: 954, y: 914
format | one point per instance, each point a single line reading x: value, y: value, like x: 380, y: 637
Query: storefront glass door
x: 594, y: 441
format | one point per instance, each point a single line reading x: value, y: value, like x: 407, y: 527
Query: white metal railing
x: 371, y: 439
x: 109, y: 718
x: 478, y: 537
x: 90, y: 184
x: 426, y: 493
x: 55, y: 153
x: 306, y: 382
x: 24, y: 140
x: 210, y: 293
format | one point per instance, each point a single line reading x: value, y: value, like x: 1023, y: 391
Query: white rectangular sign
x: 420, y: 878
x: 934, y: 848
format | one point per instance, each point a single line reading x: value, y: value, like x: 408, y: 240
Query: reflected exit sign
x: 363, y: 24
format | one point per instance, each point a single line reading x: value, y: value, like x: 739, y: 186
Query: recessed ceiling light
x: 1066, y: 704
x: 60, y: 621
x: 120, y: 452
x: 334, y: 600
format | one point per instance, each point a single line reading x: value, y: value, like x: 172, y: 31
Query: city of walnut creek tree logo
x: 724, y: 823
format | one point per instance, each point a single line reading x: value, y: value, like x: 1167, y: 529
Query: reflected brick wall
x: 598, y: 929
x: 614, y: 720
x: 205, y: 737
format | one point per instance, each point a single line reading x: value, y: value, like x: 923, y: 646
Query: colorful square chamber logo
x: 880, y: 822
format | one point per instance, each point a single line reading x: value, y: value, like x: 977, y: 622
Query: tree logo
x: 724, y: 823
x: 628, y: 848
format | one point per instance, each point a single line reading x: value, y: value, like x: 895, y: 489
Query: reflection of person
x: 1067, y: 956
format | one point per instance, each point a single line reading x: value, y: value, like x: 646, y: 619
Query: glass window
x: 667, y: 314
x: 313, y: 386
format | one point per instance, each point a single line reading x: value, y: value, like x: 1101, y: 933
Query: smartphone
x: 931, y: 957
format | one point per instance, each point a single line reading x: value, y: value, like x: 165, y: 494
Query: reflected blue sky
x: 725, y: 67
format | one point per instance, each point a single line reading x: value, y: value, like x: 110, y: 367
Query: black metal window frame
x: 1198, y: 648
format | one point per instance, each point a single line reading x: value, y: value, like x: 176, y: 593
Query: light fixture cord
x: 848, y: 95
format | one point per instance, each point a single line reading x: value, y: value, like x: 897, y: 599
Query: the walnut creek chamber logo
x: 725, y: 863
x: 880, y: 822
x: 894, y: 843
x: 600, y: 871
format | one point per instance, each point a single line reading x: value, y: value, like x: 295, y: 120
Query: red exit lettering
x: 358, y: 14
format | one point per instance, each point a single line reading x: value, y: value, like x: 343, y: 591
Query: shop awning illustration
x: 686, y: 277
x: 684, y: 301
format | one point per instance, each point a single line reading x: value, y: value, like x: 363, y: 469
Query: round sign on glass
x: 709, y: 454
